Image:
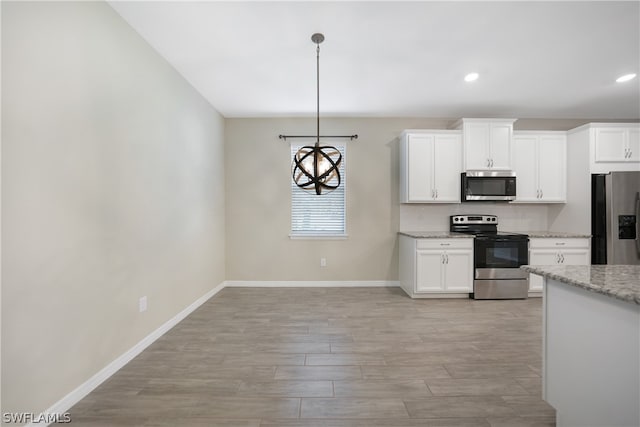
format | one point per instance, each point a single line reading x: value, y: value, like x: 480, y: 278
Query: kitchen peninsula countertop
x: 617, y: 281
x: 436, y: 235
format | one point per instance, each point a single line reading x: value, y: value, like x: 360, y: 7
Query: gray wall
x: 259, y: 201
x: 112, y: 188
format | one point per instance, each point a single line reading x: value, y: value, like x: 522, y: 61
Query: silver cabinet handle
x: 445, y: 244
x: 488, y: 163
x: 537, y: 193
x: 541, y: 193
x: 560, y: 243
x: 436, y: 193
x: 557, y: 258
x: 447, y: 258
x: 491, y: 163
x: 442, y: 258
x: 562, y: 258
x: 433, y: 194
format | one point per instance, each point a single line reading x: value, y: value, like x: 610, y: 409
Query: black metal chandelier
x: 315, y: 167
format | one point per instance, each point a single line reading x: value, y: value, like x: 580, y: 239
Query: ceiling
x: 402, y: 59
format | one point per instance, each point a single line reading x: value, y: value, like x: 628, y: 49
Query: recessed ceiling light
x: 471, y: 77
x: 626, y: 78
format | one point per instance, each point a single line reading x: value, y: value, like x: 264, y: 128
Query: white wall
x: 575, y: 216
x: 112, y: 188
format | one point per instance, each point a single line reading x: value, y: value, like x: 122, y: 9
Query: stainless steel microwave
x: 497, y: 186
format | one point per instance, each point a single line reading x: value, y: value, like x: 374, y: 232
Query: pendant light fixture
x: 315, y: 167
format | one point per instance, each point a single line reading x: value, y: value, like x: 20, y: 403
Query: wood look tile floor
x: 334, y: 357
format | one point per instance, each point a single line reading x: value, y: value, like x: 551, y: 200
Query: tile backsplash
x: 511, y: 217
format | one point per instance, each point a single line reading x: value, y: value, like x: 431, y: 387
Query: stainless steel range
x: 497, y: 257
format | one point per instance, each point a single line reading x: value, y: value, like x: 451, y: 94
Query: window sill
x: 318, y: 236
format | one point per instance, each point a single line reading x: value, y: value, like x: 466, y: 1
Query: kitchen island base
x: 591, y: 357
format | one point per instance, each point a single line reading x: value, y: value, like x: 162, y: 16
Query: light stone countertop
x: 617, y: 281
x: 436, y: 235
x: 553, y: 234
x: 534, y: 234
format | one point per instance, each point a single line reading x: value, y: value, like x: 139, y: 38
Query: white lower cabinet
x: 436, y: 267
x: 552, y: 251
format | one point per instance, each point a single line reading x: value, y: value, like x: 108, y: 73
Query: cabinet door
x: 500, y: 145
x: 447, y: 158
x: 634, y: 145
x: 476, y: 146
x: 458, y: 274
x: 429, y: 271
x: 575, y: 257
x: 541, y: 257
x: 552, y: 168
x: 525, y: 167
x: 610, y: 145
x: 419, y: 164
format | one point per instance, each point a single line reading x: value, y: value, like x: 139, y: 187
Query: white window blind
x: 319, y: 216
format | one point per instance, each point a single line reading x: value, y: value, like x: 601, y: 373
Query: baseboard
x: 310, y: 284
x: 64, y: 404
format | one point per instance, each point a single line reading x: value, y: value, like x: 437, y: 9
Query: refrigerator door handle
x: 638, y: 223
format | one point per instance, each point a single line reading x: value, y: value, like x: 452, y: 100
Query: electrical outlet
x: 323, y: 262
x: 142, y: 304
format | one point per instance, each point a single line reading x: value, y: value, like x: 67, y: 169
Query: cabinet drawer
x: 555, y: 243
x: 454, y: 243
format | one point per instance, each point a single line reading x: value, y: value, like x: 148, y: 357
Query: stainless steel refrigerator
x: 615, y: 218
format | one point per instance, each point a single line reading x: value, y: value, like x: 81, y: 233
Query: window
x: 319, y: 216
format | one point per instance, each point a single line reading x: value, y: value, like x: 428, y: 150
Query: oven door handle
x: 503, y: 239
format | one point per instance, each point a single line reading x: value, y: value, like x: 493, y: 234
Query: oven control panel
x: 474, y: 219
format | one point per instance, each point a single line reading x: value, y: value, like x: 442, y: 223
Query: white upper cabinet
x: 430, y: 166
x: 614, y: 147
x: 487, y: 143
x: 633, y: 142
x: 540, y: 164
